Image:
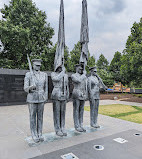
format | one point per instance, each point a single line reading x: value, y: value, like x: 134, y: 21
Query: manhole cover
x: 69, y: 156
x: 120, y: 140
x: 98, y: 147
x: 137, y: 134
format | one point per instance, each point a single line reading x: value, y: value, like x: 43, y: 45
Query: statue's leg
x: 92, y: 112
x: 33, y: 111
x: 96, y: 101
x: 56, y: 116
x: 63, y: 112
x: 81, y: 112
x: 96, y: 110
x: 76, y: 104
x: 76, y: 112
x: 40, y: 120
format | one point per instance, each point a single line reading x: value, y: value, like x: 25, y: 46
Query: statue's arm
x: 58, y: 77
x: 27, y: 83
x: 76, y: 79
x: 67, y: 85
x: 89, y: 86
x: 46, y: 86
x: 102, y: 83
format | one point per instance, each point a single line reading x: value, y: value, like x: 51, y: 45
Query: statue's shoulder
x: 28, y: 74
x: 74, y: 75
x: 43, y: 73
x: 66, y: 75
x: 53, y: 74
x: 89, y: 78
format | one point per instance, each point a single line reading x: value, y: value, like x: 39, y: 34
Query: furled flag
x: 84, y: 34
x: 59, y: 55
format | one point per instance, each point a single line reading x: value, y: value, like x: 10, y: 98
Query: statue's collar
x: 36, y: 72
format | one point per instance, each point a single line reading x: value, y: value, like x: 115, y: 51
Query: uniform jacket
x: 39, y: 95
x: 61, y: 89
x: 80, y: 86
x: 93, y: 87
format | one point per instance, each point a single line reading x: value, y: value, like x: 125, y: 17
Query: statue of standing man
x: 94, y: 85
x: 79, y: 96
x: 36, y: 85
x: 60, y: 93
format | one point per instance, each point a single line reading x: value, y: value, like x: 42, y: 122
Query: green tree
x: 103, y: 71
x: 75, y: 56
x: 131, y: 68
x: 102, y: 63
x: 23, y: 29
x: 115, y: 65
x: 106, y: 77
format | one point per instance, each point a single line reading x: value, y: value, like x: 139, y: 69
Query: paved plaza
x: 14, y: 130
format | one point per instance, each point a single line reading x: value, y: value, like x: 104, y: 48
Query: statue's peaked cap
x: 93, y: 68
x: 37, y: 61
x: 78, y: 65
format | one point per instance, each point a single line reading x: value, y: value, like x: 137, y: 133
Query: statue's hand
x: 83, y: 76
x: 32, y: 88
x: 64, y: 70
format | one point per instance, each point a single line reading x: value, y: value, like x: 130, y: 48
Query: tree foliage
x: 75, y: 56
x: 23, y: 30
x: 106, y: 76
x: 131, y: 69
x: 102, y: 63
x: 115, y: 65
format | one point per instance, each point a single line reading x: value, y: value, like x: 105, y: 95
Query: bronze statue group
x: 36, y: 85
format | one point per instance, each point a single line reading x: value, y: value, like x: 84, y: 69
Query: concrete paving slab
x: 111, y: 150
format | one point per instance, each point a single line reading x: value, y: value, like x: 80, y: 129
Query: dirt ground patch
x: 122, y: 97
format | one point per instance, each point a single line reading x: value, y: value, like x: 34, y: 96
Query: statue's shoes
x: 64, y: 133
x: 41, y: 138
x: 84, y: 130
x: 95, y: 126
x: 59, y: 133
x: 35, y: 139
x: 79, y: 129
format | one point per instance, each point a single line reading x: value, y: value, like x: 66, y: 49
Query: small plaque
x: 69, y: 156
x: 120, y: 140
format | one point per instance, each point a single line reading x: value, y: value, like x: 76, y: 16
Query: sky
x: 110, y: 22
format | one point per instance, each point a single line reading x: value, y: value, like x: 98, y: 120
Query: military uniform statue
x: 60, y: 95
x: 79, y: 96
x: 36, y: 85
x: 94, y: 85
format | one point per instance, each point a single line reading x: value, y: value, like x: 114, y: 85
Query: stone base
x: 51, y: 137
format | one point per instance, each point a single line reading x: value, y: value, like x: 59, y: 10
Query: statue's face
x: 36, y: 67
x: 94, y: 72
x: 59, y: 69
x: 80, y: 70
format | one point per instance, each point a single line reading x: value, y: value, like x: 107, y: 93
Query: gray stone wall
x: 11, y: 86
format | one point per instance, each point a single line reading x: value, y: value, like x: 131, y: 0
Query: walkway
x: 14, y: 129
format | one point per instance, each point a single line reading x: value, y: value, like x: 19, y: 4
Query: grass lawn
x: 138, y: 95
x: 125, y: 112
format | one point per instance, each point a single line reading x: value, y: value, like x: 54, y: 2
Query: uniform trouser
x: 36, y: 118
x: 94, y: 106
x: 78, y: 111
x: 59, y: 110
